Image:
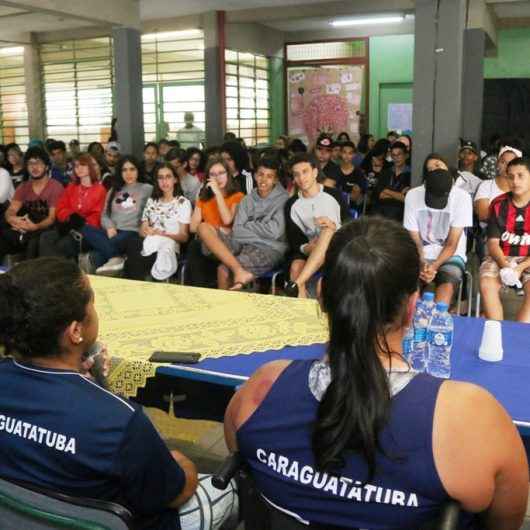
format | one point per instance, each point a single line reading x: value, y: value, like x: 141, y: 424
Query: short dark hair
x: 269, y: 162
x: 39, y: 299
x: 151, y: 144
x: 521, y: 161
x: 297, y: 146
x: 348, y: 144
x: 176, y: 153
x: 37, y: 152
x: 399, y: 145
x: 57, y: 144
x: 303, y: 157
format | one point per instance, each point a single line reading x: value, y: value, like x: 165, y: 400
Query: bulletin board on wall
x: 325, y: 98
x: 326, y: 85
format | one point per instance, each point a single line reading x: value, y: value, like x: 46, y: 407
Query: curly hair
x: 39, y: 299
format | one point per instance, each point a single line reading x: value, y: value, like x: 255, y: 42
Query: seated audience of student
x: 32, y: 210
x: 393, y: 185
x: 257, y: 242
x: 120, y: 219
x: 79, y: 439
x: 311, y: 215
x: 508, y: 262
x: 329, y: 172
x: 359, y: 440
x: 490, y: 189
x: 436, y: 216
x: 216, y: 205
x: 150, y: 162
x: 81, y: 204
x: 15, y: 163
x: 189, y: 184
x: 352, y: 182
x: 112, y: 156
x: 196, y: 161
x: 236, y: 158
x: 60, y: 169
x: 165, y: 225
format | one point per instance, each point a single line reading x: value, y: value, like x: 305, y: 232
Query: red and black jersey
x: 511, y: 225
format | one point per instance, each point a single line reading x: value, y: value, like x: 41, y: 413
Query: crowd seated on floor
x: 228, y: 216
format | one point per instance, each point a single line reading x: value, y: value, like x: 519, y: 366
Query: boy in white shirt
x: 436, y: 215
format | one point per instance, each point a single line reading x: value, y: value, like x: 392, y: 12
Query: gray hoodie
x: 261, y: 222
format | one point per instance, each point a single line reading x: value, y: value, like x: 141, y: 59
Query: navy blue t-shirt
x: 60, y: 431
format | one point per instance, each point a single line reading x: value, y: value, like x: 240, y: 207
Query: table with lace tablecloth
x: 138, y: 318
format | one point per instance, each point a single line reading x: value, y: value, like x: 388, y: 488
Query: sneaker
x: 113, y: 265
x: 86, y: 264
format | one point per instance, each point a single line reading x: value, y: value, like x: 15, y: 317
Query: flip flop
x: 240, y: 286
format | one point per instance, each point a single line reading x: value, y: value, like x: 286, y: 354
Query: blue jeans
x: 105, y: 248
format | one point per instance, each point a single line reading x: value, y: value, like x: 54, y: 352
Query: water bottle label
x: 420, y: 335
x: 441, y: 338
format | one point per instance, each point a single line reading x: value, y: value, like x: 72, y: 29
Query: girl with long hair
x: 120, y: 219
x: 358, y: 439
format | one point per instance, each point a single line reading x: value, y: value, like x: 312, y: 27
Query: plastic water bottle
x: 418, y: 355
x: 408, y: 343
x: 428, y: 303
x: 440, y: 339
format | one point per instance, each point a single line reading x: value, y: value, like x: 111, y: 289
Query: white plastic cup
x: 491, y: 345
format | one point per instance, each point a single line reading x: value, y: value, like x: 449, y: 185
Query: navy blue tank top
x: 406, y: 490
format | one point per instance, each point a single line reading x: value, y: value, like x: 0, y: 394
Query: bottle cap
x: 441, y: 307
x: 428, y: 295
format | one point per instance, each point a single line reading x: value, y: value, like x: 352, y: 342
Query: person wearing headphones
x: 32, y: 210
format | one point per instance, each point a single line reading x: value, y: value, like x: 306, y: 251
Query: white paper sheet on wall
x: 399, y: 117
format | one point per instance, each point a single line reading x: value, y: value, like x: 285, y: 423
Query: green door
x: 391, y: 93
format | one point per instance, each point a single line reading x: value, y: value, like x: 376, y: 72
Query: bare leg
x: 314, y: 261
x: 491, y: 301
x: 523, y: 315
x: 224, y: 280
x: 444, y: 293
x: 209, y: 237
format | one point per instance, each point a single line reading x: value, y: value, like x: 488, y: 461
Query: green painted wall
x: 391, y: 61
x: 276, y: 95
x: 513, y: 53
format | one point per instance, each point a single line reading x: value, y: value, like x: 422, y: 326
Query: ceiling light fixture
x: 368, y: 21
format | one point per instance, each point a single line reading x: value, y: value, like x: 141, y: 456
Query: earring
x: 80, y: 340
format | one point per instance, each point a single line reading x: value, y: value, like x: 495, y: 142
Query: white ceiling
x: 154, y: 9
x: 14, y: 21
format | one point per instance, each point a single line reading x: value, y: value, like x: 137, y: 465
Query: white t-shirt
x: 433, y: 225
x: 488, y: 189
x: 468, y: 182
x: 167, y: 216
x: 7, y: 189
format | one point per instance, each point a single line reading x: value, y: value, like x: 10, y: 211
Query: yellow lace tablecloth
x: 137, y: 318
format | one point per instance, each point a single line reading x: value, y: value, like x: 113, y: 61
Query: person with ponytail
x: 62, y: 432
x: 358, y: 439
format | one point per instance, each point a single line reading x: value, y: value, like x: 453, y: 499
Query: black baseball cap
x: 325, y: 141
x: 468, y: 144
x: 438, y: 184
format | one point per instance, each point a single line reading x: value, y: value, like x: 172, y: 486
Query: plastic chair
x: 261, y: 515
x: 31, y: 508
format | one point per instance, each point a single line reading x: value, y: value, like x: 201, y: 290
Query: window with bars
x: 247, y: 96
x: 13, y: 108
x: 173, y: 83
x: 78, y: 81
